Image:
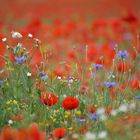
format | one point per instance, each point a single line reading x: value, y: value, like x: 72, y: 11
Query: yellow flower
x: 8, y: 102
x: 9, y: 108
x: 67, y: 113
x: 54, y: 119
x: 15, y: 102
x: 78, y: 113
x: 70, y: 128
x: 66, y: 116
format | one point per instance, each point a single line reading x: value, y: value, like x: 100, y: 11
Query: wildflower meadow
x: 70, y: 70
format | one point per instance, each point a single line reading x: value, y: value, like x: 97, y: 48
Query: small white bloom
x: 8, y: 47
x: 132, y: 105
x: 123, y: 108
x: 59, y: 78
x: 10, y: 122
x: 90, y: 136
x: 19, y: 44
x: 77, y: 96
x: 113, y: 76
x: 100, y: 111
x: 102, y: 135
x: 103, y: 117
x: 64, y: 96
x: 37, y: 40
x: 29, y: 74
x: 114, y: 112
x: 71, y: 81
x: 4, y: 39
x: 30, y: 35
x: 16, y: 35
x: 75, y: 136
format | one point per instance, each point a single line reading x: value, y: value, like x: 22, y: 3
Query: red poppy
x: 59, y: 132
x: 92, y: 109
x: 130, y: 18
x: 135, y: 84
x: 31, y: 133
x: 49, y: 99
x: 123, y: 67
x: 70, y: 103
x: 72, y: 54
x: 84, y: 89
x: 17, y: 117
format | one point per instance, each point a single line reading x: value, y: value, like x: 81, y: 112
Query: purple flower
x: 20, y: 60
x: 110, y: 84
x: 127, y: 36
x: 97, y: 66
x: 82, y: 120
x: 70, y: 79
x: 137, y: 97
x: 1, y: 82
x: 122, y: 54
x: 93, y: 116
x: 44, y: 76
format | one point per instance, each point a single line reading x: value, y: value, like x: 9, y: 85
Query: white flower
x: 4, y: 39
x: 16, y: 35
x: 29, y: 74
x: 37, y: 40
x: 30, y: 35
x: 75, y: 136
x: 132, y: 105
x: 102, y: 134
x: 100, y: 111
x: 114, y: 112
x: 64, y: 96
x: 10, y: 122
x: 19, y: 44
x: 70, y: 80
x: 103, y: 117
x: 59, y: 78
x: 90, y: 136
x: 123, y: 108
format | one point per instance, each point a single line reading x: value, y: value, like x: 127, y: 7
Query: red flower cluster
x: 49, y: 99
x: 59, y: 132
x: 31, y: 133
x: 70, y: 103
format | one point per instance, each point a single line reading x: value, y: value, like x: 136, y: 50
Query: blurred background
x: 12, y: 11
x: 67, y: 24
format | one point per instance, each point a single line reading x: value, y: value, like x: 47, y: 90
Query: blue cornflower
x: 137, y: 97
x: 70, y: 79
x: 110, y: 84
x: 44, y: 76
x: 20, y: 60
x: 93, y: 116
x: 1, y: 82
x: 122, y: 54
x: 97, y: 66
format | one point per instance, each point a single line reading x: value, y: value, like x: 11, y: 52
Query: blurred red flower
x: 70, y: 103
x: 84, y: 89
x: 123, y: 67
x: 49, y: 99
x: 31, y: 133
x: 92, y: 109
x: 130, y: 18
x: 135, y: 84
x: 59, y: 132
